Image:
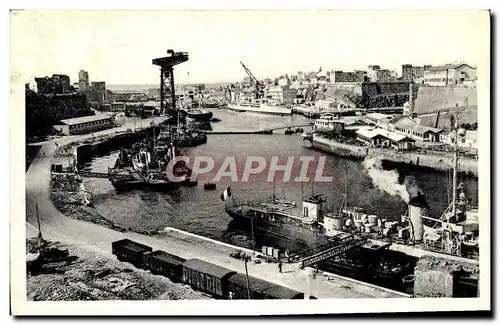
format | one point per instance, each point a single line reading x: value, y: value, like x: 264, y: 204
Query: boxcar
x: 206, y: 277
x: 160, y: 262
x: 130, y: 251
x: 259, y: 289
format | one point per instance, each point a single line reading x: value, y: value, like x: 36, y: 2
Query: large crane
x: 259, y: 87
x: 167, y: 85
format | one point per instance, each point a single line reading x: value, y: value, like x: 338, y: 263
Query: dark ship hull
x: 202, y: 116
x: 289, y: 231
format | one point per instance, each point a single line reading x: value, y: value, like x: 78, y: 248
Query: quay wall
x: 435, y: 161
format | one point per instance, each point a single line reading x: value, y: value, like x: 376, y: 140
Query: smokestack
x: 410, y: 100
x: 415, y: 207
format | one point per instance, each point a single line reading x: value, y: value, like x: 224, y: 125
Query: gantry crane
x: 167, y: 86
x: 259, y: 87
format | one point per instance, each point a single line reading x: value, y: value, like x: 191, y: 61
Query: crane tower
x: 167, y: 85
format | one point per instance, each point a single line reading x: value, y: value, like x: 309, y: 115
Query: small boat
x: 289, y: 131
x: 215, y: 119
x: 200, y: 114
x: 209, y: 186
x: 299, y: 130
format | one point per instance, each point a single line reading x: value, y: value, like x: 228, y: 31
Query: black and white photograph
x: 208, y: 156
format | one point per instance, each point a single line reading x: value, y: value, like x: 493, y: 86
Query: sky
x: 117, y: 46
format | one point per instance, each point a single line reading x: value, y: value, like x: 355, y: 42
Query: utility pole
x: 253, y: 236
x: 246, y: 273
x: 39, y: 229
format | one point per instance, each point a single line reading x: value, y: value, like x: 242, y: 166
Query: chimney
x: 410, y: 100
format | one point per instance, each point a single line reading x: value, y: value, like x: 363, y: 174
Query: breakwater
x: 435, y: 161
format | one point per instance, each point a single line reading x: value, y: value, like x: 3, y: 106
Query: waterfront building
x: 408, y: 127
x: 85, y: 124
x: 467, y: 139
x: 449, y: 74
x: 348, y: 76
x: 379, y: 138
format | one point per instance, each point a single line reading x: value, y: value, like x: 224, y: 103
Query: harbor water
x: 200, y: 211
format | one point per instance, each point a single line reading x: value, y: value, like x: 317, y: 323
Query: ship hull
x: 199, y: 116
x: 262, y: 109
x: 288, y: 231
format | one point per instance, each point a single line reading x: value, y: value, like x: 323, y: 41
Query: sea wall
x: 433, y: 98
x: 435, y: 161
x: 441, y: 119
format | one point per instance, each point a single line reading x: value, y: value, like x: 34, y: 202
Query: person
x: 280, y: 267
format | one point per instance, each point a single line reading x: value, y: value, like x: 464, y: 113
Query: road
x: 58, y: 227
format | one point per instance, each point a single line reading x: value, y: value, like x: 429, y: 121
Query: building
x: 85, y: 124
x: 466, y: 138
x: 408, y: 127
x: 344, y: 124
x: 83, y: 80
x: 413, y: 73
x: 378, y: 138
x: 324, y: 104
x: 354, y: 76
x: 378, y: 120
x: 57, y: 84
x: 449, y: 74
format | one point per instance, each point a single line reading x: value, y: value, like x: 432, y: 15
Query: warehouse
x: 84, y: 124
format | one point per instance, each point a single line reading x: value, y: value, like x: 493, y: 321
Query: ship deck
x: 282, y: 208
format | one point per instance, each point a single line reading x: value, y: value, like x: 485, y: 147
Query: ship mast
x: 454, y: 126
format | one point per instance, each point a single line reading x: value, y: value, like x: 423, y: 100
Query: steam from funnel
x: 388, y: 180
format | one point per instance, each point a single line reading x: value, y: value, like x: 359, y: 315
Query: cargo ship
x: 260, y: 108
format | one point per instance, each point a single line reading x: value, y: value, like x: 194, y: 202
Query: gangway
x: 332, y: 242
x: 346, y: 244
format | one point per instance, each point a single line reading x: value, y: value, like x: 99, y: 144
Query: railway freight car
x: 206, y: 277
x: 259, y: 289
x: 130, y: 251
x: 160, y: 262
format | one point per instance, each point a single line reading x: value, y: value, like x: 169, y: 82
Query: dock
x: 324, y: 285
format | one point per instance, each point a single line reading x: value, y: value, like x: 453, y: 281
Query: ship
x: 257, y: 101
x: 201, y: 115
x: 260, y: 108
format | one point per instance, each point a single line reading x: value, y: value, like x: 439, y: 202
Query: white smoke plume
x: 387, y: 180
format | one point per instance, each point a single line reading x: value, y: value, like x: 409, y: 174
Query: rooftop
x: 86, y: 119
x: 446, y: 66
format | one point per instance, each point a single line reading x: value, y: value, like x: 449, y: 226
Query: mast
x: 302, y: 190
x: 345, y: 188
x: 247, y: 279
x: 39, y: 229
x: 455, y: 166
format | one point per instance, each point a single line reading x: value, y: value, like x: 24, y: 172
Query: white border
x: 214, y: 307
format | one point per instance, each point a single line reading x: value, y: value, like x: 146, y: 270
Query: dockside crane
x: 259, y: 87
x: 167, y: 85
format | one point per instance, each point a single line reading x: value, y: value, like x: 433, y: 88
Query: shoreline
x: 434, y: 162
